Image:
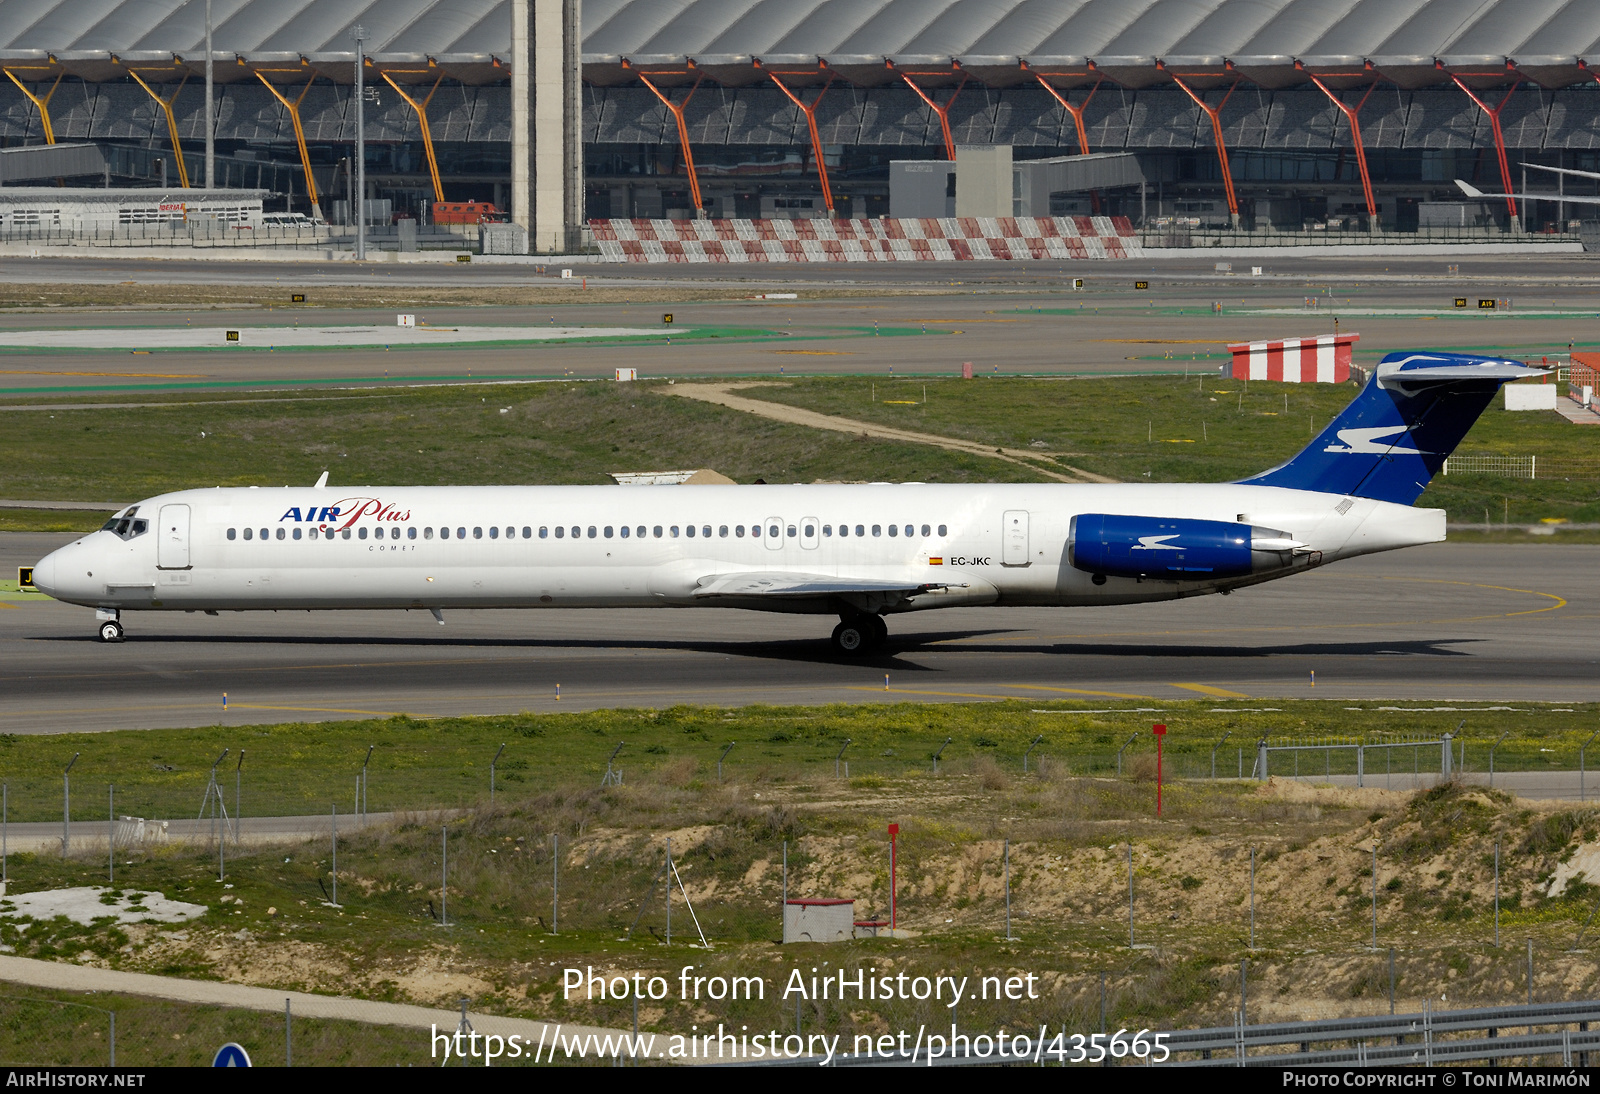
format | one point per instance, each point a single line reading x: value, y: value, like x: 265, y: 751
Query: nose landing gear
x: 857, y: 634
x: 109, y: 623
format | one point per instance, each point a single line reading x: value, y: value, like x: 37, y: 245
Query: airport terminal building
x: 1292, y: 115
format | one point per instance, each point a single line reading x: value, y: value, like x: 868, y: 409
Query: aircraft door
x: 1014, y: 544
x: 773, y: 533
x: 172, y: 541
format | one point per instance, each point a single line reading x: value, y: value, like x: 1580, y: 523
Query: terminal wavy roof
x: 1413, y: 42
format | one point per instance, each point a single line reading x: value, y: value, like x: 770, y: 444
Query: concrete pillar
x: 521, y: 146
x: 549, y: 202
x: 572, y: 124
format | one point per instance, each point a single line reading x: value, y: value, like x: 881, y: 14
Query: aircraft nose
x: 44, y: 574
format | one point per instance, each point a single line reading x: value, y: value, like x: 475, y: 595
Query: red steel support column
x: 1499, y: 137
x: 1355, y: 135
x: 683, y: 132
x: 1215, y: 114
x: 942, y: 111
x: 1075, y: 111
x: 811, y: 122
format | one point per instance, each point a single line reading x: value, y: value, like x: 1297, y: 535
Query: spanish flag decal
x: 935, y: 562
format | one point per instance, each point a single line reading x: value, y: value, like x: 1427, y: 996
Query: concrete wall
x: 921, y: 188
x: 984, y: 182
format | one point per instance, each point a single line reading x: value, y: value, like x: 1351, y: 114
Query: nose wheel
x: 110, y: 631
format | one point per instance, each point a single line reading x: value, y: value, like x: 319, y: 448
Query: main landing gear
x: 110, y: 626
x: 857, y: 634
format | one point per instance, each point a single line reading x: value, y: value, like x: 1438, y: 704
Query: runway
x: 920, y: 319
x: 1449, y: 624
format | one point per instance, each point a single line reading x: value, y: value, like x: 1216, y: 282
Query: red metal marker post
x: 894, y: 831
x: 1160, y: 731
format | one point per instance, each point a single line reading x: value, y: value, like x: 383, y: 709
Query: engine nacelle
x: 1175, y: 548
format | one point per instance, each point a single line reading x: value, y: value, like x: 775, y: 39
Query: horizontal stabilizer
x: 805, y: 585
x: 1472, y: 191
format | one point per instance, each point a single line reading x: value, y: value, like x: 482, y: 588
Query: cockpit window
x: 126, y: 527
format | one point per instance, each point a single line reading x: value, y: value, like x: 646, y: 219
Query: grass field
x: 1203, y: 429
x: 1150, y: 428
x: 304, y: 768
x: 784, y: 819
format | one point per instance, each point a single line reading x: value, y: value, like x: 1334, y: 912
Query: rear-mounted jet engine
x: 1175, y: 549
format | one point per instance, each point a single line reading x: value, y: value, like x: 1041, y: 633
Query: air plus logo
x: 347, y: 510
x: 1371, y: 440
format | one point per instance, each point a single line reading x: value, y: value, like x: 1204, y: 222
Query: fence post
x: 66, y: 804
x: 1361, y: 765
x: 946, y: 745
x: 724, y: 756
x: 334, y: 815
x: 1008, y: 890
x: 555, y: 882
x: 444, y: 876
x: 1214, y: 748
x: 288, y: 1035
x: 1130, y: 896
x: 491, y: 772
x: 238, y: 787
x: 1123, y: 749
x: 111, y: 834
x: 1444, y: 757
x: 1530, y: 972
x: 1582, y: 765
x: 1031, y: 746
x: 1492, y: 747
x: 1261, y: 759
x: 1252, y: 898
x: 1497, y: 894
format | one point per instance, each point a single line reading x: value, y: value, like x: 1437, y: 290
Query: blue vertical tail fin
x: 1394, y: 436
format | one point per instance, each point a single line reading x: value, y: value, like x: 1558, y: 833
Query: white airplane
x: 858, y: 552
x: 1541, y: 195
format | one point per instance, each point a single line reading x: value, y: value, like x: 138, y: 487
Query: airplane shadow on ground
x: 896, y: 653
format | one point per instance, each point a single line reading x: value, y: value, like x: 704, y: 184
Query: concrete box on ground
x: 1530, y: 396
x: 503, y: 239
x: 819, y: 920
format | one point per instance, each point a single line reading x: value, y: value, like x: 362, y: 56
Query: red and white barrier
x: 946, y: 239
x: 1324, y: 360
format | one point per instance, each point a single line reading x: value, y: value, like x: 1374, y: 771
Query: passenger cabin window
x: 494, y: 533
x: 861, y: 530
x: 738, y: 531
x: 233, y: 533
x: 876, y: 530
x: 544, y: 531
x: 924, y: 529
x: 607, y: 531
x: 894, y: 530
x: 689, y: 531
x: 362, y: 534
x: 411, y: 533
x: 674, y: 531
x: 527, y: 532
x: 477, y: 533
x: 943, y: 530
x: 560, y: 532
x: 827, y: 530
x: 576, y: 531
x: 297, y: 533
x: 461, y: 533
x: 625, y: 531
x: 657, y: 531
x: 427, y: 533
x: 263, y: 533
x: 722, y: 531
x: 591, y: 531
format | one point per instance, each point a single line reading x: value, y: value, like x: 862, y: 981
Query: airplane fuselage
x: 242, y: 549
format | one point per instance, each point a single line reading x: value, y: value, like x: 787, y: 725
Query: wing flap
x: 781, y: 584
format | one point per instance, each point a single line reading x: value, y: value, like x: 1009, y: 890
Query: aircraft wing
x: 786, y: 584
x: 1571, y: 199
